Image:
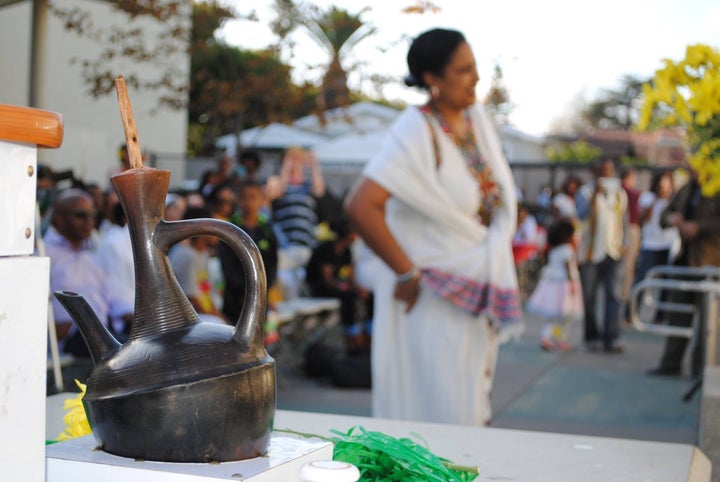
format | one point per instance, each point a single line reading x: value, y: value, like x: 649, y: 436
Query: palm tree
x: 497, y: 101
x: 336, y: 31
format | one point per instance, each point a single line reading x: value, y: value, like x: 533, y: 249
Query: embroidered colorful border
x: 474, y: 297
x: 490, y: 192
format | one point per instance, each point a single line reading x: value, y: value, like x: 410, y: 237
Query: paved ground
x: 578, y: 392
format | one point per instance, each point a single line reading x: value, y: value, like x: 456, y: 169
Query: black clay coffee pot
x: 179, y: 390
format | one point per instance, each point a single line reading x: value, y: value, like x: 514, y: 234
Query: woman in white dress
x: 438, y: 206
x: 658, y: 244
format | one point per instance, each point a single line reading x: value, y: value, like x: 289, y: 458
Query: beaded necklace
x: 489, y: 189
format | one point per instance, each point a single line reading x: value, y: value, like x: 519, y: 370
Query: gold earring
x: 434, y: 91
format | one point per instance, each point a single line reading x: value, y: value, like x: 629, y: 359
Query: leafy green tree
x: 421, y: 7
x: 616, y: 108
x: 497, y: 101
x: 578, y: 151
x: 336, y: 31
x: 129, y: 41
x: 232, y: 89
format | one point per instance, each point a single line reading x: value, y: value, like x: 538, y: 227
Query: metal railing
x: 664, y: 279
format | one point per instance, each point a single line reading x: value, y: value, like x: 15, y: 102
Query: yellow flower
x: 681, y: 109
x: 706, y: 162
x: 76, y: 421
x: 646, y: 112
x: 698, y: 55
x: 705, y: 98
x: 670, y: 120
x: 687, y: 93
x: 344, y: 272
x: 665, y: 85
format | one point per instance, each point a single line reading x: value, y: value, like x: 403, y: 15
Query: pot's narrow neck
x: 160, y: 304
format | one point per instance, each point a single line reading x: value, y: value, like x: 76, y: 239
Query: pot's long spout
x: 98, y: 339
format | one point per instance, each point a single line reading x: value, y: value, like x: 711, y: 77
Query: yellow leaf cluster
x: 76, y: 421
x: 705, y: 101
x: 706, y: 162
x: 687, y: 93
x: 690, y: 88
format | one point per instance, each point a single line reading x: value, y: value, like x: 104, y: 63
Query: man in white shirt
x: 115, y: 255
x: 602, y: 208
x: 74, y: 266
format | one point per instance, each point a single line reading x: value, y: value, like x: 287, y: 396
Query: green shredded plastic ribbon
x: 381, y: 457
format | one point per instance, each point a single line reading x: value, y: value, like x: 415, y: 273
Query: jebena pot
x: 179, y: 390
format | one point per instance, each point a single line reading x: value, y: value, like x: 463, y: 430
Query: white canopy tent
x: 358, y: 117
x: 346, y: 138
x: 271, y: 136
x: 353, y: 149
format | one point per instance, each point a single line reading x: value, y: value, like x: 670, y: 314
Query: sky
x: 553, y: 53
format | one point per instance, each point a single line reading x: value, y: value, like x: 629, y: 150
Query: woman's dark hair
x: 118, y: 215
x: 213, y: 198
x: 249, y: 183
x: 599, y: 163
x: 657, y: 177
x: 251, y: 155
x: 561, y: 231
x: 627, y: 172
x: 569, y: 180
x: 430, y: 52
x: 197, y: 212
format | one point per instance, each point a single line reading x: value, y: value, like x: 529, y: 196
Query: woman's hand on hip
x: 408, y: 292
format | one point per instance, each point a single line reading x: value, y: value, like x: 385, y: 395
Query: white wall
x: 521, y: 147
x: 93, y: 129
x: 15, y: 53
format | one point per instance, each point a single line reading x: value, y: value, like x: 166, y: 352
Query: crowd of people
x: 437, y: 210
x: 602, y: 256
x: 85, y: 233
x: 604, y: 236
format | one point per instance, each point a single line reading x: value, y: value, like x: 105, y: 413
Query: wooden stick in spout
x: 128, y: 121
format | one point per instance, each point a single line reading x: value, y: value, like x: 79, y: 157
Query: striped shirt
x: 295, y: 214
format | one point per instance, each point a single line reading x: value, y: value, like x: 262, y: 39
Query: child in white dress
x: 557, y: 299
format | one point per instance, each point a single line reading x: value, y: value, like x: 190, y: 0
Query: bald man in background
x: 74, y: 266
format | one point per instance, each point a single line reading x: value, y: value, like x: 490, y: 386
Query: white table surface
x: 516, y: 455
x: 511, y: 455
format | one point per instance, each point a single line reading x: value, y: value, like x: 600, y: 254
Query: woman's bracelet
x: 409, y: 276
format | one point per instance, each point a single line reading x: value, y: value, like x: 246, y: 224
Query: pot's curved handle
x: 249, y: 327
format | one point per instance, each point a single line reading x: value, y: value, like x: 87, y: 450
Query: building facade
x: 31, y: 34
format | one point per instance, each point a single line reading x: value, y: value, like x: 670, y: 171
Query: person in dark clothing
x: 249, y: 161
x: 329, y: 273
x: 252, y: 221
x: 222, y: 175
x: 697, y: 218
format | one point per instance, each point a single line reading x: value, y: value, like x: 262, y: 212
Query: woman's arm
x: 365, y: 205
x: 671, y: 216
x: 570, y: 275
x: 646, y: 213
x: 318, y: 182
x: 647, y: 203
x: 327, y: 273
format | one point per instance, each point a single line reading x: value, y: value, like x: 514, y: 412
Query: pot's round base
x: 219, y: 419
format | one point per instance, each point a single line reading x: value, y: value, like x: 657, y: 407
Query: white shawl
x: 406, y: 167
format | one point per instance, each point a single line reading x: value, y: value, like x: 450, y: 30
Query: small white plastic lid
x: 329, y: 471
